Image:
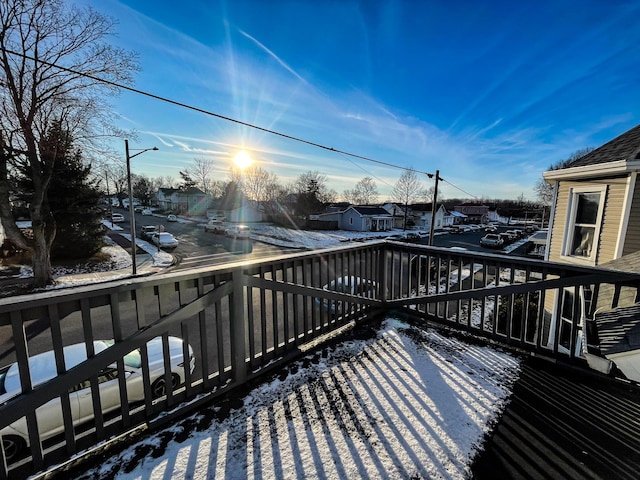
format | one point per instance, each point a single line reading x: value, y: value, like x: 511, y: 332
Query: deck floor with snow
x: 563, y: 423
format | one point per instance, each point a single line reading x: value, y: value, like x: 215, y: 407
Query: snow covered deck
x: 402, y: 403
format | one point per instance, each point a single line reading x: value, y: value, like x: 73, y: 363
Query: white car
x: 238, y: 231
x: 15, y: 438
x: 117, y: 218
x: 348, y: 284
x: 172, y: 218
x: 215, y: 226
x: 164, y: 240
x: 147, y: 211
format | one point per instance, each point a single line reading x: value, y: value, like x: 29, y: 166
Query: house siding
x: 611, y: 218
x: 632, y: 239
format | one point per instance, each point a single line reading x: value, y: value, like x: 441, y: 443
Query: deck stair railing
x: 243, y: 320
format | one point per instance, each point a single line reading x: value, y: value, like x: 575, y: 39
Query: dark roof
x: 423, y: 207
x: 626, y: 263
x: 370, y: 210
x: 192, y: 191
x: 619, y: 329
x: 625, y: 147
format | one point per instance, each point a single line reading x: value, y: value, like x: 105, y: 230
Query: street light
x: 132, y: 218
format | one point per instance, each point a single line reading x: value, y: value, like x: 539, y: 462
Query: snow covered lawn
x: 406, y: 404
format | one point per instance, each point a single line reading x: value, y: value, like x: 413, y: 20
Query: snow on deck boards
x: 407, y: 403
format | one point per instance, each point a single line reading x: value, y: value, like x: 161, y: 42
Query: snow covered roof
x: 457, y: 214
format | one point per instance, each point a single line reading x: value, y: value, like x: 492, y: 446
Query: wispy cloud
x: 274, y: 56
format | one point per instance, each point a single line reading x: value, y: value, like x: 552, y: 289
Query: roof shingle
x: 624, y: 147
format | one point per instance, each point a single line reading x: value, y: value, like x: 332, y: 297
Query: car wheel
x: 159, y: 387
x: 13, y: 447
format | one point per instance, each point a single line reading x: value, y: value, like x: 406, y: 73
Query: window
x: 583, y: 226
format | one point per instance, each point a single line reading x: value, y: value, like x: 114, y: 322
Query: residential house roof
x: 192, y: 191
x: 619, y: 329
x: 423, y: 207
x: 456, y: 214
x: 369, y: 211
x: 624, y: 147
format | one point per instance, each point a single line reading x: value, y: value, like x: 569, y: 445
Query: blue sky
x: 488, y: 93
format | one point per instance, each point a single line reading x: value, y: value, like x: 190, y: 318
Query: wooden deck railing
x: 243, y: 320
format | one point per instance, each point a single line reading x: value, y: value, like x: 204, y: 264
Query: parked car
x: 164, y: 240
x: 117, y: 218
x: 507, y: 238
x: 146, y: 231
x: 348, y: 284
x: 214, y: 226
x: 458, y: 229
x: 238, y: 231
x: 491, y: 229
x: 398, y: 237
x: 492, y: 240
x: 172, y: 218
x: 15, y: 438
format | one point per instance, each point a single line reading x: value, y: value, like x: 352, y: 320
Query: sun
x: 242, y: 159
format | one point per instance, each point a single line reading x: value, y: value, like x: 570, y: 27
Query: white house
x: 421, y: 214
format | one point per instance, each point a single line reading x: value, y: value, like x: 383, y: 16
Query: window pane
x: 583, y: 241
x: 587, y: 208
x: 567, y: 304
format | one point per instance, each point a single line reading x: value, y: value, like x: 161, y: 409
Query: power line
x: 229, y: 119
x: 458, y: 188
x: 206, y: 112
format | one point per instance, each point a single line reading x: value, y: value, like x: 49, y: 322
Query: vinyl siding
x: 611, y: 218
x: 632, y: 240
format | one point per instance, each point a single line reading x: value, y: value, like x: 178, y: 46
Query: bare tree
x: 545, y: 191
x: 312, y: 192
x: 407, y: 190
x: 217, y: 188
x: 164, y: 182
x: 426, y: 194
x: 36, y: 36
x: 364, y: 193
x: 315, y: 181
x: 200, y: 173
x: 258, y: 184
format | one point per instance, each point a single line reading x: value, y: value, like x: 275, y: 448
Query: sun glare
x: 242, y: 159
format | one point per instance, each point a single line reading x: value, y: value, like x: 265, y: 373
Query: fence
x: 240, y: 321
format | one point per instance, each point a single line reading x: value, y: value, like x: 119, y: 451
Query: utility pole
x: 434, y: 208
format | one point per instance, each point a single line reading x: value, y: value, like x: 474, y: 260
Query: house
x: 421, y: 214
x: 494, y: 216
x: 475, y: 212
x: 454, y: 218
x: 237, y: 208
x: 397, y: 212
x: 190, y: 201
x: 595, y: 221
x: 361, y: 219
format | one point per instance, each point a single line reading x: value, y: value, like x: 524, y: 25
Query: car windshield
x: 133, y: 359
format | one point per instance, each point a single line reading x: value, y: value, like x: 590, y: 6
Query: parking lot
x: 470, y: 240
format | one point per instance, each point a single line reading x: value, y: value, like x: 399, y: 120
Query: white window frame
x: 572, y: 210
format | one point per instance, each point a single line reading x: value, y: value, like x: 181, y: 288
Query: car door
x: 109, y: 394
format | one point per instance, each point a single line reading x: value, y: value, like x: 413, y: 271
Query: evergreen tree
x: 72, y: 198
